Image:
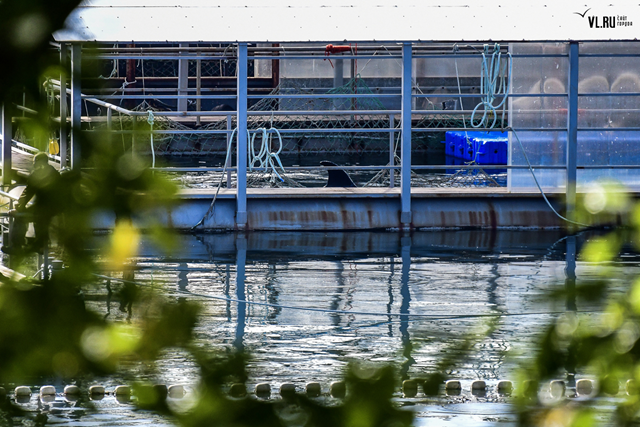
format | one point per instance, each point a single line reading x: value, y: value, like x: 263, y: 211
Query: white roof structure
x: 149, y: 21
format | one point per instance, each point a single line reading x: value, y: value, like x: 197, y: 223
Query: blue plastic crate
x: 485, y: 148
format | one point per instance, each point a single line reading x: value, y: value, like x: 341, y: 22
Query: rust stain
x: 492, y: 215
x: 473, y: 218
x: 345, y: 218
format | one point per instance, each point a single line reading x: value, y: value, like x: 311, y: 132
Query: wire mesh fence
x: 308, y: 126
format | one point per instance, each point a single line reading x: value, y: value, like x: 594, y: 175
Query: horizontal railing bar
x: 151, y: 95
x: 9, y: 196
x: 341, y: 96
x: 612, y: 94
x: 609, y: 55
x: 25, y: 109
x: 323, y: 131
x: 194, y: 55
x: 478, y: 95
x: 414, y: 167
x: 372, y: 130
x: 325, y: 95
x: 368, y: 113
x: 320, y: 131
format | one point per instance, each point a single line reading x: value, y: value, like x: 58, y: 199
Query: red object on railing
x: 329, y: 49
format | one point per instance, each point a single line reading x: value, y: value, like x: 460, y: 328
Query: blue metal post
x: 572, y: 126
x: 241, y: 134
x: 76, y: 105
x: 229, y: 142
x: 7, y: 132
x: 183, y: 79
x: 63, y: 105
x: 338, y: 80
x: 392, y: 152
x: 405, y: 160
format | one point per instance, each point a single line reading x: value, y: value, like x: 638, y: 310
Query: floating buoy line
x: 410, y: 388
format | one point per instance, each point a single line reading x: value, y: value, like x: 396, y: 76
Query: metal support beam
x: 62, y: 142
x: 76, y: 105
x: 572, y: 126
x: 183, y: 80
x: 241, y: 134
x: 228, y: 160
x: 7, y: 133
x: 338, y: 80
x: 198, y: 88
x: 392, y: 153
x: 405, y: 160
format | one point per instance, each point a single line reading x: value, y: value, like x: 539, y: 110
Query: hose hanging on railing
x: 264, y: 159
x: 495, y: 81
x: 212, y: 207
x: 150, y: 120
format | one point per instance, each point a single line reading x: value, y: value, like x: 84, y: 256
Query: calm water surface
x: 371, y: 297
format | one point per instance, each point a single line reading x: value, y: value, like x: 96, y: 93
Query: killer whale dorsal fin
x: 337, y: 177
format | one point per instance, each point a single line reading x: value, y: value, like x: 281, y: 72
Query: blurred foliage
x: 47, y: 331
x: 603, y: 342
x: 25, y: 32
x: 367, y: 404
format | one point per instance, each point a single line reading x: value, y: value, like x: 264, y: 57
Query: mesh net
x: 306, y: 131
x: 303, y: 134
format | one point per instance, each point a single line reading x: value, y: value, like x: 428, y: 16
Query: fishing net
x: 306, y: 131
x: 303, y: 133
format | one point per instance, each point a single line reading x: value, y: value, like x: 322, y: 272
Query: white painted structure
x: 353, y: 20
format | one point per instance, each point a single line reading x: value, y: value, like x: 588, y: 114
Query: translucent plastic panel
x: 366, y: 67
x: 587, y: 177
x: 613, y: 75
x: 446, y: 67
x: 539, y: 74
x: 308, y: 68
x: 538, y: 112
x: 608, y: 148
x: 551, y: 180
x: 613, y: 111
x: 541, y: 148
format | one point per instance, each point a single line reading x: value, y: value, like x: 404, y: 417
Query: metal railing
x: 402, y: 96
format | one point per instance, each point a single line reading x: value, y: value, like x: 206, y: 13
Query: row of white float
x: 557, y: 388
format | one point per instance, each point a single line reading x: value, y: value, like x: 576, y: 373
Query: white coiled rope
x: 265, y: 159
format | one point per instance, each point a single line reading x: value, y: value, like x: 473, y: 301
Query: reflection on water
x: 317, y: 300
x: 368, y: 296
